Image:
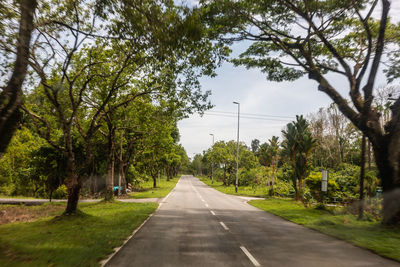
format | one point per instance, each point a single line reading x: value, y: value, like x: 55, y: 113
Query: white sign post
x: 324, y: 184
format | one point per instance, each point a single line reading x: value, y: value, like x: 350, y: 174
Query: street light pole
x: 237, y: 150
x: 212, y: 163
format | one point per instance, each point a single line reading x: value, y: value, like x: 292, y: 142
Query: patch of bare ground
x: 22, y: 213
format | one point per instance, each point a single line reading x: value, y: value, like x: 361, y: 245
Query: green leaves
x: 297, y: 146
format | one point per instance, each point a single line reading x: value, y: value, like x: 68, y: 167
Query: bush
x: 254, y: 176
x: 313, y: 182
x: 283, y: 189
x: 7, y: 189
x: 60, y: 192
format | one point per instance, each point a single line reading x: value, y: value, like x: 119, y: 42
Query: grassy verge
x: 163, y: 188
x: 77, y: 240
x: 249, y: 191
x: 368, y: 234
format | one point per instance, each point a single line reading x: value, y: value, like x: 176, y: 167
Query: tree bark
x: 109, y: 194
x: 369, y: 155
x: 362, y: 177
x: 120, y: 169
x: 11, y: 96
x: 154, y: 181
x: 387, y: 161
x: 73, y: 181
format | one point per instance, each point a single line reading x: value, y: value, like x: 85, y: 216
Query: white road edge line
x: 223, y: 225
x: 251, y: 258
x: 104, y: 262
x: 212, y: 212
x: 206, y: 205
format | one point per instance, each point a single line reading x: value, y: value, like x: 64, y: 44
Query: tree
x: 297, y: 145
x: 89, y: 65
x: 334, y: 135
x: 296, y: 38
x: 11, y: 94
x: 255, y: 146
x: 223, y: 155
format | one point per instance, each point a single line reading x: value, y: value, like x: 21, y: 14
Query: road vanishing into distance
x: 199, y: 226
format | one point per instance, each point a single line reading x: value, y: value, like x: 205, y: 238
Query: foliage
x: 297, y: 146
x: 290, y: 39
x: 61, y: 192
x: 314, y: 180
x: 18, y: 169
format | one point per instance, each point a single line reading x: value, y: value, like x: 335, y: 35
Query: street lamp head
x: 237, y: 103
x: 212, y: 134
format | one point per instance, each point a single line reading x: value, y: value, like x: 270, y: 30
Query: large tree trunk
x: 387, y: 161
x: 11, y: 95
x: 73, y: 196
x: 73, y: 181
x: 73, y: 184
x: 109, y: 194
x: 154, y: 181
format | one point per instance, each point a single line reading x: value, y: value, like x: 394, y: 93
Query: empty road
x: 199, y: 226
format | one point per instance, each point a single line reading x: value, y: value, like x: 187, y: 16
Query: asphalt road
x: 199, y: 226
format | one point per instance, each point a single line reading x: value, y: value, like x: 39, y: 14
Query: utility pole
x: 237, y: 151
x: 212, y: 163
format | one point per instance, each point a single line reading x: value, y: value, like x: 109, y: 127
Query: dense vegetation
x: 92, y: 90
x: 292, y: 167
x: 107, y: 83
x: 325, y: 41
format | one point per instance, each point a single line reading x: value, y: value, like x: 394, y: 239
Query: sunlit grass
x: 250, y: 191
x: 76, y: 240
x: 163, y: 188
x: 368, y: 234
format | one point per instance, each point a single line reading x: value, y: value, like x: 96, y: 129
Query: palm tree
x: 297, y: 146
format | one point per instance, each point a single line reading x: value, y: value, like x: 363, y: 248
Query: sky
x: 256, y: 95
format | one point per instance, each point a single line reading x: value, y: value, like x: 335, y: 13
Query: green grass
x: 367, y: 234
x: 163, y: 188
x: 249, y: 191
x: 76, y: 240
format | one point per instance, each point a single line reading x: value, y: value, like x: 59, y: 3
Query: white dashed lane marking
x: 251, y: 258
x: 223, y: 225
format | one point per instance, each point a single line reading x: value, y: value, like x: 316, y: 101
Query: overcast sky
x: 256, y: 96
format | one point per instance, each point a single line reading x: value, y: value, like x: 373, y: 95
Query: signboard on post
x: 324, y: 183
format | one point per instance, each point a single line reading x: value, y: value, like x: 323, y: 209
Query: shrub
x: 313, y: 182
x: 60, y: 192
x: 283, y: 189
